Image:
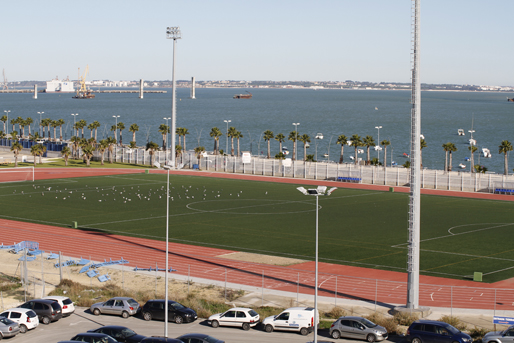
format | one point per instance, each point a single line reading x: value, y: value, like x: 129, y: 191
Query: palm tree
x: 13, y: 123
x: 16, y: 148
x: 121, y: 127
x: 14, y: 135
x: 61, y: 123
x: 43, y: 124
x: 238, y: 135
x: 54, y: 124
x: 304, y: 139
x: 342, y: 139
x: 163, y: 130
x: 4, y: 120
x: 446, y: 148
x: 504, y: 148
x: 21, y: 126
x: 29, y: 122
x: 422, y: 145
x: 268, y: 136
x: 151, y: 147
x: 76, y: 127
x: 65, y: 152
x: 184, y: 133
x: 91, y: 127
x: 293, y: 136
x: 87, y: 151
x: 82, y: 124
x: 368, y: 142
x: 111, y: 142
x: 102, y: 147
x: 356, y: 143
x: 96, y: 125
x: 198, y: 151
x: 385, y: 143
x: 472, y: 148
x: 34, y: 151
x: 178, y: 151
x: 134, y: 128
x: 48, y: 122
x: 42, y: 150
x: 310, y: 158
x: 452, y: 148
x: 216, y: 134
x: 76, y: 141
x: 114, y: 129
x: 231, y: 133
x: 280, y: 138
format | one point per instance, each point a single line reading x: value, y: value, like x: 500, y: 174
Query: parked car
x: 238, y: 317
x: 47, y: 310
x: 156, y: 339
x: 121, y: 306
x: 431, y: 331
x: 505, y: 336
x: 8, y: 328
x: 357, y: 327
x: 300, y: 319
x: 66, y: 304
x: 198, y: 338
x: 178, y: 313
x: 120, y: 333
x: 93, y: 337
x: 27, y: 319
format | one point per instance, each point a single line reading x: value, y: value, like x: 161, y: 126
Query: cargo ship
x: 243, y: 96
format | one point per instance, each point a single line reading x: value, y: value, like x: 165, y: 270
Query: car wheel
x: 336, y: 334
x: 304, y: 331
x: 23, y: 328
x: 215, y: 324
x: 371, y: 338
x: 45, y: 320
x: 268, y: 328
x: 96, y: 312
x: 246, y: 326
x: 125, y: 314
x: 179, y: 319
x: 416, y: 340
x: 147, y: 316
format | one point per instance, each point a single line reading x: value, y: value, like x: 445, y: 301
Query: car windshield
x: 31, y: 314
x: 210, y: 339
x: 127, y: 332
x: 177, y: 306
x: 452, y: 329
x: 367, y: 323
x: 6, y: 321
x: 67, y: 301
x: 252, y: 313
x: 132, y: 302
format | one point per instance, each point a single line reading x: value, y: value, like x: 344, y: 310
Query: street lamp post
x: 378, y: 151
x: 7, y: 126
x: 166, y: 152
x: 173, y: 33
x: 40, y: 113
x: 317, y: 138
x: 317, y: 192
x: 226, y: 146
x: 295, y: 140
x: 73, y: 128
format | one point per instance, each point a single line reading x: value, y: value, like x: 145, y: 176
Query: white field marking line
x: 138, y: 219
x: 12, y: 186
x: 135, y: 178
x: 483, y: 229
x: 497, y: 271
x: 223, y: 210
x: 31, y: 220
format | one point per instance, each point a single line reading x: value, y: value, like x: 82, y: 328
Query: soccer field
x: 459, y: 236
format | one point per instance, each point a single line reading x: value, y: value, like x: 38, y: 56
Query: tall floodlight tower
x: 414, y: 199
x: 173, y: 33
x: 193, y: 89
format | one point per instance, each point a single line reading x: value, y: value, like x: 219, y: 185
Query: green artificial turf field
x: 356, y: 227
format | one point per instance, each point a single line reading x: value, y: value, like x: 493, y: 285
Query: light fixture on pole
x: 174, y: 33
x: 7, y: 126
x: 167, y: 129
x: 40, y: 113
x: 226, y: 147
x: 378, y: 141
x: 74, y: 117
x: 295, y: 139
x: 317, y: 192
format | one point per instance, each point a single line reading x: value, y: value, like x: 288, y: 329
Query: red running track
x: 337, y: 281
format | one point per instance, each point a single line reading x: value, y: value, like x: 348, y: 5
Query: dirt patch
x: 258, y: 258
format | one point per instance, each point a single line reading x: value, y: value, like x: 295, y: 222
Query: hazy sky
x: 462, y: 41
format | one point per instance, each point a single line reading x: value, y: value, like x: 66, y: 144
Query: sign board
x: 287, y: 162
x: 503, y: 320
x: 157, y: 164
x: 246, y: 157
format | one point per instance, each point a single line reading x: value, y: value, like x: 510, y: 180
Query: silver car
x: 8, y: 328
x: 505, y: 336
x: 357, y: 327
x: 121, y: 306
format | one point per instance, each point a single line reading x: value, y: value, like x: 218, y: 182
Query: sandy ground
x: 258, y: 258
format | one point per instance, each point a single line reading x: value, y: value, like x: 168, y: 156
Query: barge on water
x: 243, y: 96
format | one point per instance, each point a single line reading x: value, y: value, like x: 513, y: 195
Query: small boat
x: 486, y: 152
x: 360, y: 151
x: 84, y: 95
x: 406, y: 155
x: 466, y: 159
x: 325, y: 155
x: 462, y: 166
x: 472, y: 141
x: 422, y: 136
x: 377, y: 148
x: 285, y: 151
x: 461, y: 132
x: 243, y: 96
x: 319, y: 136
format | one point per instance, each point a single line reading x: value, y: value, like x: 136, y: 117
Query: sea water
x: 329, y: 112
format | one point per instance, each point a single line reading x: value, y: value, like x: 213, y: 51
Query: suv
x: 46, y: 310
x: 27, y: 319
x: 431, y: 331
x: 357, y: 327
x: 154, y: 309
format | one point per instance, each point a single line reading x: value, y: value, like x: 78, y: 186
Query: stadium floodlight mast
x: 167, y: 252
x: 226, y: 147
x: 378, y: 140
x: 7, y: 126
x: 40, y: 113
x: 173, y: 32
x: 167, y: 144
x: 317, y: 192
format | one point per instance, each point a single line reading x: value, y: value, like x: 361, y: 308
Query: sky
x: 462, y: 41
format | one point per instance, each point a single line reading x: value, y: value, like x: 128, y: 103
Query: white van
x: 299, y: 319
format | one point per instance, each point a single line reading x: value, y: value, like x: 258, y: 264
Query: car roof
x: 113, y: 327
x: 59, y: 297
x: 351, y: 317
x: 121, y: 298
x: 92, y: 334
x: 239, y: 309
x: 18, y: 309
x: 426, y: 321
x: 194, y: 335
x: 299, y: 309
x: 161, y: 339
x: 44, y: 301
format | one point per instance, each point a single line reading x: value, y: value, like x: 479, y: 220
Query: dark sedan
x: 157, y: 339
x: 178, y: 313
x: 199, y: 338
x: 120, y: 333
x: 93, y: 337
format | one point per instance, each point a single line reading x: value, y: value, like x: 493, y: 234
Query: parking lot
x: 82, y: 321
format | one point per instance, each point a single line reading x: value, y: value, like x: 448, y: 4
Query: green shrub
x: 477, y: 333
x: 334, y: 313
x: 389, y: 323
x: 453, y: 321
x: 404, y: 318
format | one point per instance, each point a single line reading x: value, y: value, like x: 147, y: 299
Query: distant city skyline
x: 462, y: 41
